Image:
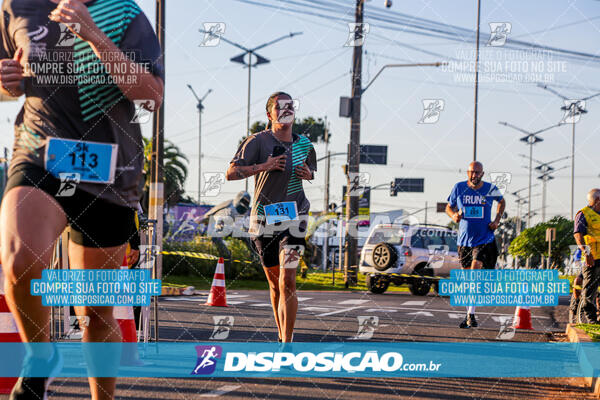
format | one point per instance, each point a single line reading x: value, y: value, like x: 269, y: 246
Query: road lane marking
x: 414, y: 303
x: 304, y: 298
x: 423, y: 313
x: 338, y: 311
x: 455, y: 315
x: 233, y: 303
x: 477, y: 313
x: 385, y: 310
x: 236, y: 296
x: 317, y: 309
x: 353, y: 301
x: 220, y: 391
x: 261, y: 305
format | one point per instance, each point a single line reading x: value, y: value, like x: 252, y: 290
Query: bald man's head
x: 593, y: 198
x: 475, y: 173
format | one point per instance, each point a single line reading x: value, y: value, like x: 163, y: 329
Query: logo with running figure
x: 501, y: 180
x: 68, y: 183
x: 143, y: 111
x: 212, y: 34
x: 292, y: 254
x: 432, y: 108
x: 207, y: 359
x: 68, y: 34
x: 367, y: 325
x: 507, y: 330
x: 356, y: 36
x: 213, y: 182
x: 499, y: 33
x: 358, y: 183
x: 223, y: 325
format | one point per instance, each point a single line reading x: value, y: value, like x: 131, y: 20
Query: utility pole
x: 546, y: 170
x: 156, y: 203
x: 200, y: 107
x: 354, y: 149
x: 326, y: 199
x: 574, y: 109
x: 530, y: 138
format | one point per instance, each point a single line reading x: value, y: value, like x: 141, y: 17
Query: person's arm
x: 579, y: 231
x: 453, y: 213
x: 236, y: 172
x: 585, y: 249
x: 135, y: 82
x: 499, y: 213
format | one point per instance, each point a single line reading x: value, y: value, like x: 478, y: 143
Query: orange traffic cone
x: 8, y: 333
x: 125, y: 319
x: 217, y: 296
x: 522, y: 318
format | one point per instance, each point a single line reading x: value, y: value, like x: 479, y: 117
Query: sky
x: 315, y: 69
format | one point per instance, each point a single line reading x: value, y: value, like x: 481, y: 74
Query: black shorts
x: 269, y: 247
x: 94, y: 222
x: 486, y: 253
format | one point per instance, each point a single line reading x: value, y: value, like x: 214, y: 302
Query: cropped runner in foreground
x: 279, y: 161
x: 77, y: 155
x: 470, y: 205
x: 587, y: 236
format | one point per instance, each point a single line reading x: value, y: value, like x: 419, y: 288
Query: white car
x: 392, y: 251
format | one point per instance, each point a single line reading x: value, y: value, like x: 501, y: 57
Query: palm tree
x: 175, y: 173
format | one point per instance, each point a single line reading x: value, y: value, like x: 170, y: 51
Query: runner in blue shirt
x: 470, y: 205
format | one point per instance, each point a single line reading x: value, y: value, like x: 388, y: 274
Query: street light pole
x: 241, y: 58
x: 574, y: 109
x: 200, y: 108
x: 530, y: 138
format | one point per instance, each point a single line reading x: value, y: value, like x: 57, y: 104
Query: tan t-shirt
x: 276, y: 186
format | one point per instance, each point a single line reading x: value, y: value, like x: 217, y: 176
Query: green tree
x: 309, y: 127
x: 532, y: 242
x: 175, y: 173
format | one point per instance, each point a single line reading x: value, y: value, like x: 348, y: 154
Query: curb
x: 577, y: 335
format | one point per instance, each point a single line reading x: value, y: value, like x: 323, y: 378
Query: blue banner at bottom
x: 357, y: 359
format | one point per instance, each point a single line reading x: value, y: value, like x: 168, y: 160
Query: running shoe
x: 30, y: 387
x: 472, y: 321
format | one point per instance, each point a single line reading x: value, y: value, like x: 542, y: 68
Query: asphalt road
x: 336, y: 316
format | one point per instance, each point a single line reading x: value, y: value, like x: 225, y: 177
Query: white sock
x: 471, y: 310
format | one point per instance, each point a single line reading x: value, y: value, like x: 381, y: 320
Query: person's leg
x: 588, y: 291
x: 102, y: 325
x: 267, y: 250
x: 272, y: 274
x: 30, y: 222
x: 289, y: 258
